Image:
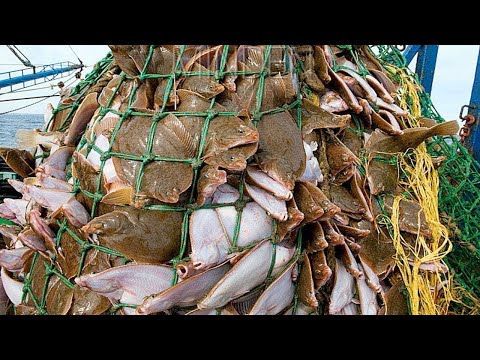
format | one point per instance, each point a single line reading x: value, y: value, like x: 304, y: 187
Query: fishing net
x: 38, y: 294
x: 458, y: 187
x: 456, y: 184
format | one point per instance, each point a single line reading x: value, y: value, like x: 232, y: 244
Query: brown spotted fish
x: 321, y: 65
x: 410, y: 139
x: 306, y: 287
x: 314, y: 117
x: 162, y: 180
x: 20, y: 161
x: 234, y: 159
x: 142, y: 235
x: 82, y: 116
x: 329, y: 209
x: 226, y: 132
x: 281, y: 153
x: 204, y: 85
x: 339, y: 156
x: 209, y: 180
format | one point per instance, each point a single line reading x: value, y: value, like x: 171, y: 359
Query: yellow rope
x: 429, y: 292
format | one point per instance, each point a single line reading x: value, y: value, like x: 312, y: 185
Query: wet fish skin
x: 281, y: 153
x: 370, y: 94
x: 306, y: 287
x: 142, y: 235
x: 379, y: 89
x: 329, y: 209
x: 332, y: 236
x: 56, y: 163
x: 234, y: 159
x: 254, y: 267
x: 331, y: 101
x: 208, y: 240
x: 306, y: 204
x: 410, y: 138
x: 27, y: 139
x: 314, y: 117
x: 13, y: 259
x: 314, y: 238
x: 18, y: 207
x: 30, y: 239
x: 20, y: 161
x: 345, y: 92
x: 321, y: 272
x: 277, y: 296
x: 368, y: 297
x: 260, y: 179
x: 295, y: 218
x: 186, y: 293
x: 129, y: 284
x: 226, y: 132
x: 343, y: 288
x: 41, y: 228
x: 339, y: 156
x: 13, y: 288
x: 274, y: 207
x: 209, y: 180
x: 81, y: 118
x: 321, y: 65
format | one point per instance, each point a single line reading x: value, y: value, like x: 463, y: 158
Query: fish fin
x: 176, y: 126
x: 27, y: 138
x: 426, y: 122
x: 107, y: 123
x: 198, y: 67
x: 446, y: 128
x: 188, y: 96
x: 255, y: 57
x: 56, y: 213
x: 118, y: 193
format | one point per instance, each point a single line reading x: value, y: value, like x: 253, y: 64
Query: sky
x: 452, y: 83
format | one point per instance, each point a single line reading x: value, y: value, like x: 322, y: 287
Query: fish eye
x: 232, y: 158
x: 240, y: 131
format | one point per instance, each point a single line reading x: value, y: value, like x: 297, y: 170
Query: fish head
x: 106, y: 285
x: 107, y: 224
x: 237, y: 135
x: 231, y: 161
x: 172, y: 195
x: 210, y: 89
x: 215, y: 176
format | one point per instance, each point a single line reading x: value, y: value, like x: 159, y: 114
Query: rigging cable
x: 81, y: 62
x: 23, y: 107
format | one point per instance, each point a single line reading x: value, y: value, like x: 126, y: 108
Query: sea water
x: 10, y: 123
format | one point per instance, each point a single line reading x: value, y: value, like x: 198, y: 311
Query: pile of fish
x: 208, y: 196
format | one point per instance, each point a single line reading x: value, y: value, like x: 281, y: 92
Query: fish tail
x: 118, y: 193
x: 28, y: 138
x: 446, y: 128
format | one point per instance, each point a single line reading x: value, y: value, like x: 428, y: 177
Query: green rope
x: 148, y: 157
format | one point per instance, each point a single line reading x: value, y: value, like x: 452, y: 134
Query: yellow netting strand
x: 429, y: 292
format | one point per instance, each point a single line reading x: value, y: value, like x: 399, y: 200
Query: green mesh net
x: 459, y: 196
x: 459, y: 176
x: 37, y: 293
